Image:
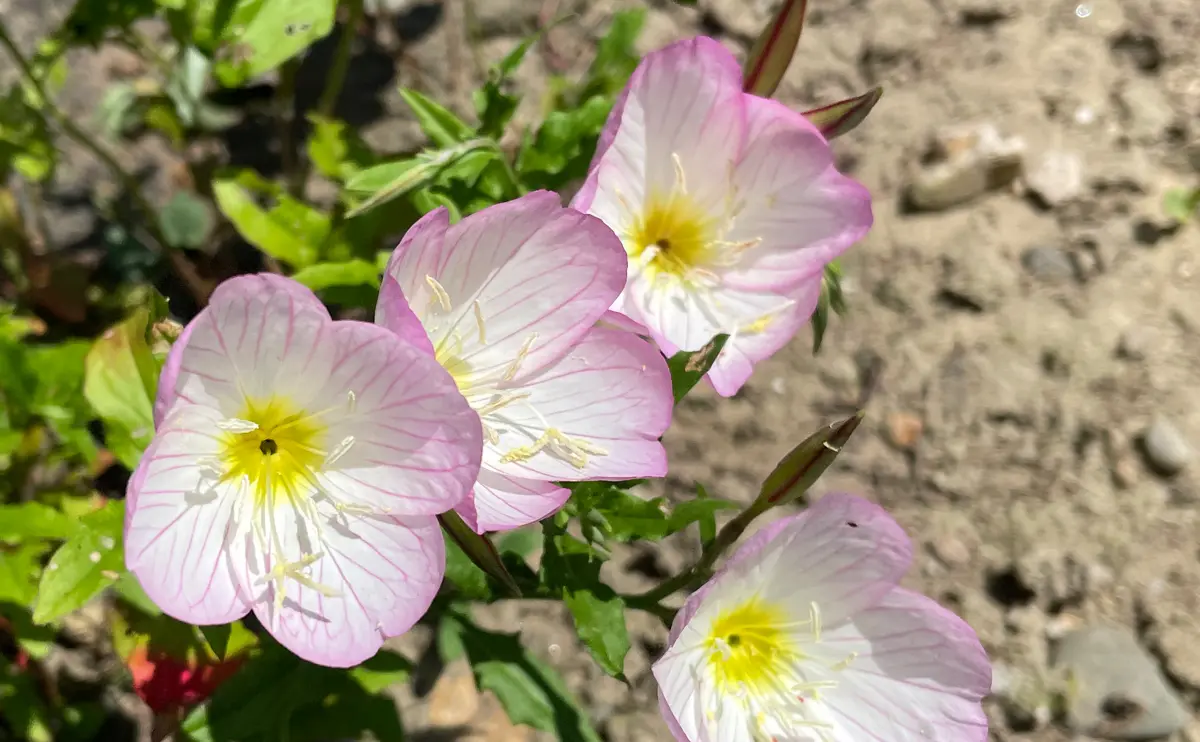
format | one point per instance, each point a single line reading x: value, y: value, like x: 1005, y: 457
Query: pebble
x: 1056, y: 178
x: 1115, y: 690
x: 1165, y: 448
x: 904, y: 429
x: 1048, y: 264
x: 970, y: 160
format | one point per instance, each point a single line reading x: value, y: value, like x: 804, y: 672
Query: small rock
x: 1115, y: 690
x: 904, y: 429
x: 1056, y: 178
x: 950, y: 551
x: 1050, y: 264
x: 969, y: 161
x: 454, y: 700
x: 1166, y: 450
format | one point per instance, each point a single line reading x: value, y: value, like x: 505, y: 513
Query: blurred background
x: 1023, y: 326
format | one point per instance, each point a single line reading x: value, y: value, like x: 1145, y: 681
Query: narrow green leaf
x: 394, y: 179
x: 803, y: 465
x: 439, y: 124
x: 350, y: 273
x: 531, y: 692
x: 687, y: 369
x: 831, y: 301
x: 88, y: 562
x: 773, y: 51
x: 844, y: 116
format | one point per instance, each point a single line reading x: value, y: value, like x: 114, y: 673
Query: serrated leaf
x: 33, y: 520
x: 120, y: 383
x: 91, y: 560
x: 291, y: 231
x: 349, y: 273
x: 186, y: 221
x: 394, y: 179
x: 571, y: 568
x: 773, y: 51
x: 844, y: 116
x: 631, y: 518
x: 531, y: 692
x: 439, y: 124
x: 803, y: 465
x: 687, y: 369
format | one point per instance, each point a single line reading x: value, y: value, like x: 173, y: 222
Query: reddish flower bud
x: 168, y: 684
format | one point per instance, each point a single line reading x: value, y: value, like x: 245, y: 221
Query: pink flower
x: 728, y: 205
x: 508, y: 300
x: 296, y: 472
x: 804, y: 636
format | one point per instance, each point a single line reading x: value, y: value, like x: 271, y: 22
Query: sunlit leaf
x: 88, y: 562
x: 349, y: 273
x: 291, y: 231
x: 1180, y: 204
x: 120, y: 383
x: 33, y: 520
x: 687, y: 369
x: 438, y: 122
x: 263, y: 34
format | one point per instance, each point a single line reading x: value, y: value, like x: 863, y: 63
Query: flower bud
x: 773, y: 52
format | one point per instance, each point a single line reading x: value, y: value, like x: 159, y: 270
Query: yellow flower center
x: 750, y: 649
x: 276, y: 447
x: 672, y: 236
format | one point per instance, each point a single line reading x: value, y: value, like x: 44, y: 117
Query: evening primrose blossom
x: 296, y: 471
x: 728, y: 205
x: 509, y: 300
x: 804, y: 637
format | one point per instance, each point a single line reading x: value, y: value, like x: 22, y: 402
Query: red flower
x: 168, y: 684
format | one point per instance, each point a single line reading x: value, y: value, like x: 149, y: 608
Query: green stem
x: 185, y: 271
x: 333, y: 81
x: 702, y: 569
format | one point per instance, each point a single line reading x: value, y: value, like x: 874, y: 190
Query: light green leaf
x: 290, y: 232
x: 687, y: 369
x: 33, y: 520
x: 120, y: 382
x: 88, y: 562
x: 349, y: 273
x: 1180, y: 204
x: 186, y: 221
x: 25, y: 144
x: 336, y: 150
x: 530, y: 691
x: 264, y: 34
x: 438, y: 122
x: 19, y: 568
x: 394, y: 179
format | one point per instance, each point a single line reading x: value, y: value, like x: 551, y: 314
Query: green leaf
x: 25, y: 143
x: 394, y: 179
x: 186, y: 221
x: 228, y: 640
x: 831, y: 301
x: 531, y: 692
x: 88, y: 562
x: 687, y: 369
x: 19, y: 568
x: 438, y: 122
x: 469, y: 580
x: 263, y: 34
x: 707, y: 523
x: 33, y: 520
x: 842, y: 117
x: 572, y: 568
x: 803, y: 465
x: 336, y: 150
x: 1180, y: 204
x: 632, y: 518
x: 291, y: 231
x: 350, y: 273
x: 382, y: 671
x: 616, y: 54
x: 120, y: 383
